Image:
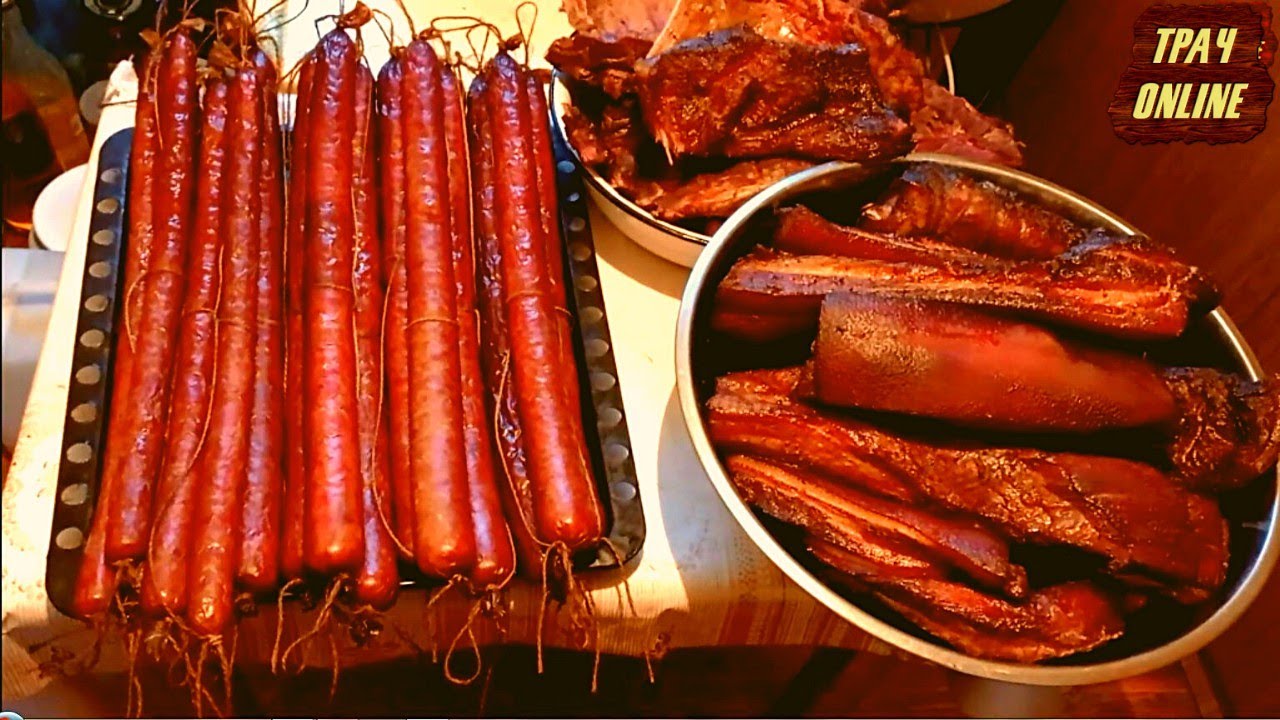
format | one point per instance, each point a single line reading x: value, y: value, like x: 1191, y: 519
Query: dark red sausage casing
x: 396, y: 347
x: 378, y: 577
x: 164, y: 583
x: 566, y: 507
x: 495, y: 554
x: 96, y: 579
x: 544, y: 171
x: 334, y: 531
x: 259, y: 569
x: 495, y: 347
x: 155, y: 335
x: 217, y: 515
x: 293, y: 515
x: 445, y: 534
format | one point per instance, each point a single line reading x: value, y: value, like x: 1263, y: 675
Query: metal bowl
x: 1253, y: 514
x: 664, y: 239
x: 945, y: 11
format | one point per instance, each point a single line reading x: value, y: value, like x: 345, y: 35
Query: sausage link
x: 495, y: 348
x: 260, y: 536
x: 334, y: 534
x: 164, y: 583
x: 216, y: 521
x: 544, y: 171
x: 549, y: 203
x: 147, y: 405
x: 296, y: 407
x: 566, y: 508
x: 445, y: 534
x: 378, y: 577
x: 495, y: 555
x: 96, y: 578
x: 391, y: 161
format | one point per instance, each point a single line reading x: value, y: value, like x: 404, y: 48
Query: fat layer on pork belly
x: 848, y: 516
x: 1138, y: 519
x: 734, y: 93
x: 1051, y: 622
x: 1122, y: 286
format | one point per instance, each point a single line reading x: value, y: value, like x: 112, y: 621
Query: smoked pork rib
x: 941, y: 121
x: 734, y: 93
x: 938, y: 202
x: 718, y: 193
x: 615, y: 144
x: 964, y: 366
x: 848, y: 516
x: 610, y: 141
x: 1055, y: 621
x: 607, y: 65
x: 1228, y: 427
x: 1131, y: 514
x: 1115, y: 285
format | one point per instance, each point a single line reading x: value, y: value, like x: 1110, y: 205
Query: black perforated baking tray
x: 88, y: 394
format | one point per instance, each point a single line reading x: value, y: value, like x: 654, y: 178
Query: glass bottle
x: 42, y: 133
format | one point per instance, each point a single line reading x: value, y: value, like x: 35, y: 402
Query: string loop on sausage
x: 323, y: 620
x: 275, y: 662
x: 467, y: 630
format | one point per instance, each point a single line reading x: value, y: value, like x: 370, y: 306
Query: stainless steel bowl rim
x: 1246, y: 591
x: 606, y: 188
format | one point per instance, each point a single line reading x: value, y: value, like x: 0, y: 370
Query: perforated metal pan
x: 88, y: 388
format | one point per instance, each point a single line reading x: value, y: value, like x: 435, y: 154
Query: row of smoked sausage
x: 346, y: 368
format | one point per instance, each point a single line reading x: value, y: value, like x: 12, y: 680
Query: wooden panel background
x: 1219, y: 205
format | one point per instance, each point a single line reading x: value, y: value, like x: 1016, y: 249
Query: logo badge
x: 1200, y: 73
